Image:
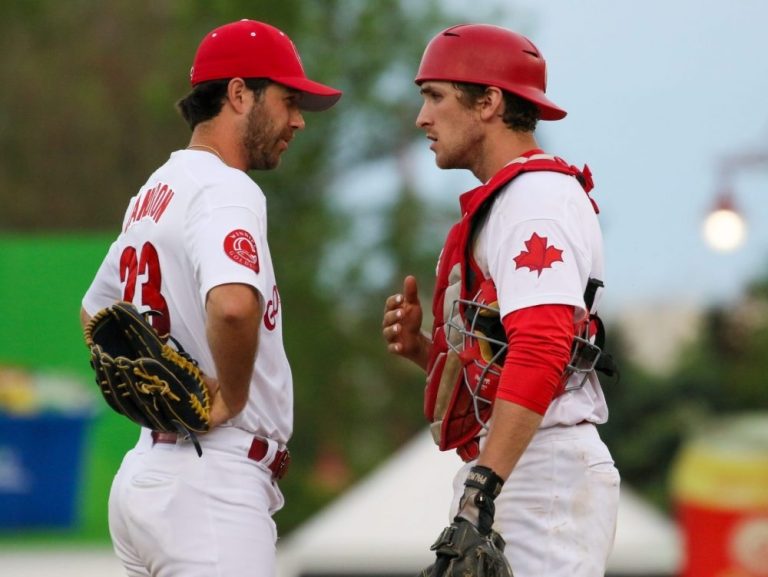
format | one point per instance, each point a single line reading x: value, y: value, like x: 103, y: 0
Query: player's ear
x: 491, y: 103
x: 237, y: 95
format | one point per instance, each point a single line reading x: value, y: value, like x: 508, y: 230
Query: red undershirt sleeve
x: 540, y: 339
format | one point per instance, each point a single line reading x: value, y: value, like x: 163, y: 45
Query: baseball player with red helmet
x: 193, y: 247
x: 512, y: 357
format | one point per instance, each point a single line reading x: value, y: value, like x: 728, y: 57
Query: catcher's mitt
x: 463, y: 552
x: 142, y: 377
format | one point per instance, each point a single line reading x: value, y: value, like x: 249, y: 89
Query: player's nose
x: 297, y: 121
x: 422, y: 120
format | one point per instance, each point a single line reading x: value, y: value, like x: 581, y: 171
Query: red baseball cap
x: 252, y: 49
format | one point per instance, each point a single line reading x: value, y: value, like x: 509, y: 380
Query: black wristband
x: 485, y: 480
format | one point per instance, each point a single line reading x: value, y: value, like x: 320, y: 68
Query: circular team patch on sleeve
x: 241, y: 248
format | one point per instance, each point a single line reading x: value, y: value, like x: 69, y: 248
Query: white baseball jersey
x: 197, y: 224
x: 540, y: 244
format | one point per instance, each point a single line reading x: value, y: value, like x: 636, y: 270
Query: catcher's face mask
x: 475, y: 333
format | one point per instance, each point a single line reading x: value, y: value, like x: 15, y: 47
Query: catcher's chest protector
x: 448, y: 405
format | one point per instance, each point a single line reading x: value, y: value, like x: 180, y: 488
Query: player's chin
x: 441, y: 159
x: 444, y: 162
x: 274, y: 162
x: 265, y: 162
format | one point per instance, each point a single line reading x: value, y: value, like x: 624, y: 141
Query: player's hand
x: 219, y: 411
x: 401, y: 325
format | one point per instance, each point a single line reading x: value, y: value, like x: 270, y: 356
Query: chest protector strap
x: 458, y: 398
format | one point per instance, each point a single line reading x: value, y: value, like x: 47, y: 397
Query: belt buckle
x: 280, y: 464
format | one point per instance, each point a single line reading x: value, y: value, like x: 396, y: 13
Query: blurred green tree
x: 91, y: 114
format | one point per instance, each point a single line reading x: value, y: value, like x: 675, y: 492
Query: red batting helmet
x: 493, y: 56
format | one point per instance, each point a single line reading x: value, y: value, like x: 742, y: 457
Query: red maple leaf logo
x: 538, y: 256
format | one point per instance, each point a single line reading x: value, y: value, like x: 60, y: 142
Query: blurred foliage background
x: 88, y: 113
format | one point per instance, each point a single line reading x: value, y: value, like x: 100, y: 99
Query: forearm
x: 511, y: 430
x: 539, y: 347
x: 232, y: 329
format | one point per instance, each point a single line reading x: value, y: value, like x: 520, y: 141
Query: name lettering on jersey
x: 539, y: 255
x: 241, y: 248
x: 150, y: 203
x: 272, y: 309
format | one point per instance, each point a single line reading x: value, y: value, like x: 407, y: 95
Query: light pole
x: 725, y: 228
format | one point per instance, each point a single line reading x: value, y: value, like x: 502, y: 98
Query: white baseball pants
x: 173, y: 514
x: 557, y: 511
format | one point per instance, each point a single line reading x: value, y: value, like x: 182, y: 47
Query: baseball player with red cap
x: 516, y: 342
x: 193, y: 247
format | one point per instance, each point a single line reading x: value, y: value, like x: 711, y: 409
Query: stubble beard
x: 260, y: 141
x: 461, y: 154
x: 456, y: 158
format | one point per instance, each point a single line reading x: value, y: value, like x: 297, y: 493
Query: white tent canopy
x: 386, y: 523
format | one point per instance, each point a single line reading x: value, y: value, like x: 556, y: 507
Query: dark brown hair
x: 206, y: 99
x: 519, y: 114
